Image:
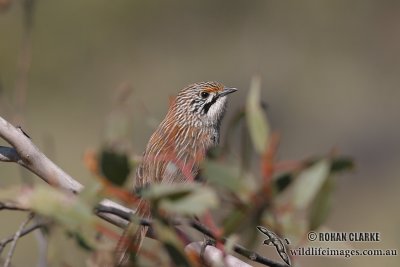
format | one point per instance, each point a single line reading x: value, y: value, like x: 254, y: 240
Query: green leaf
x: 234, y: 122
x: 246, y: 149
x: 342, y: 164
x: 171, y: 243
x: 283, y: 181
x: 231, y: 241
x: 81, y: 241
x: 176, y: 255
x: 309, y: 182
x: 195, y: 203
x: 67, y: 209
x: 322, y: 204
x: 188, y: 199
x: 60, y: 241
x: 91, y: 193
x: 222, y: 175
x: 233, y: 220
x: 159, y: 191
x: 115, y: 166
x: 256, y: 117
x: 229, y: 177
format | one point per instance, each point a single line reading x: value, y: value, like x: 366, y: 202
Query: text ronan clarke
x: 349, y: 236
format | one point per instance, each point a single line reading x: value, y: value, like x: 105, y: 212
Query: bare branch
x: 114, y: 213
x: 15, y: 239
x: 11, y: 206
x: 214, y: 256
x: 24, y: 232
x: 30, y: 157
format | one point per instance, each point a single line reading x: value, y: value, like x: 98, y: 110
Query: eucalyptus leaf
x: 177, y: 256
x: 195, y: 203
x: 283, y: 181
x: 91, y: 193
x: 188, y: 199
x: 115, y: 166
x: 233, y: 220
x: 229, y: 177
x: 256, y: 117
x: 81, y: 241
x: 231, y: 241
x: 172, y: 191
x: 322, y: 204
x: 309, y: 182
x: 222, y: 175
x: 171, y: 243
x: 342, y: 164
x: 232, y: 124
x: 60, y: 241
x: 65, y: 208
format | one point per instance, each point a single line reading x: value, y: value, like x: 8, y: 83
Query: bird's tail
x: 132, y: 238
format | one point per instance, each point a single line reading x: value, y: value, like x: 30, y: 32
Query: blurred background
x: 330, y: 74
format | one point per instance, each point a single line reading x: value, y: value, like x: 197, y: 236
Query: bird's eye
x: 204, y: 94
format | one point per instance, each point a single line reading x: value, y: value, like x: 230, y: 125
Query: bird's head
x: 203, y: 103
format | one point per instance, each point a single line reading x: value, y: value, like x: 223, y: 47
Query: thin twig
x: 15, y: 239
x: 213, y: 256
x: 12, y: 206
x: 31, y: 158
x: 24, y: 232
x: 124, y: 214
x: 114, y: 213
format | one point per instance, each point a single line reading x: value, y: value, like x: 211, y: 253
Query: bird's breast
x: 174, y: 154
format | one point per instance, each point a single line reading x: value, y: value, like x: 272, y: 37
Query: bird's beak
x: 227, y: 91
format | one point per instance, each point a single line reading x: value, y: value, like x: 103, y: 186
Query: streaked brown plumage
x: 180, y: 143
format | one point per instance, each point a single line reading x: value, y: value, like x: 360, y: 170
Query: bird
x: 179, y: 144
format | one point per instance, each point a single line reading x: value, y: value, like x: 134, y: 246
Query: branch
x: 214, y: 256
x: 12, y: 206
x: 30, y: 157
x: 114, y: 213
x: 15, y: 239
x: 24, y: 232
